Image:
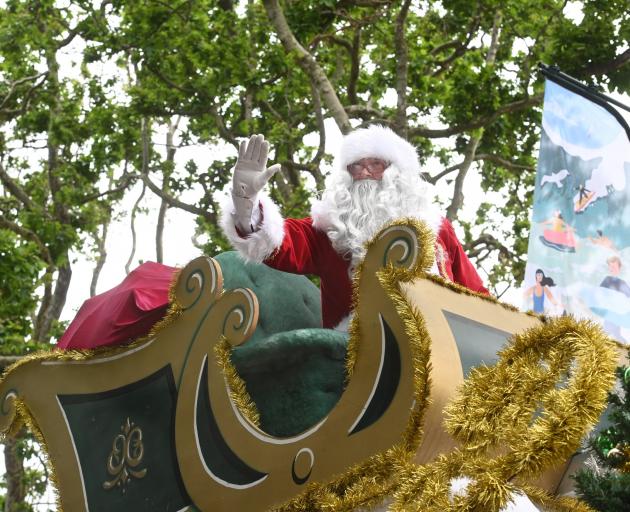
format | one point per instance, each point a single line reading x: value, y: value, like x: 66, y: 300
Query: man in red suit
x: 376, y: 180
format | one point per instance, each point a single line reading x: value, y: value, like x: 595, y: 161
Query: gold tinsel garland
x: 24, y: 417
x: 490, y: 411
x: 501, y: 447
x: 238, y: 391
x: 368, y: 483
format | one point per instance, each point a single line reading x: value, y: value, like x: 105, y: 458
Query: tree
x: 90, y: 92
x: 290, y: 66
x: 59, y: 137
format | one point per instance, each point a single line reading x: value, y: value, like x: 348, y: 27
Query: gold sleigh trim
x: 403, y: 466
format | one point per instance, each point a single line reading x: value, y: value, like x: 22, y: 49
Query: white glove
x: 250, y: 176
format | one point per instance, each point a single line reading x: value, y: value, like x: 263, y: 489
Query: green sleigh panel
x: 165, y: 424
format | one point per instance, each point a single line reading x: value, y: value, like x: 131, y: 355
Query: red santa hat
x: 378, y: 142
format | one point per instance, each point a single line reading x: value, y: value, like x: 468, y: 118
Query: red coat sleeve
x: 301, y: 248
x: 457, y: 265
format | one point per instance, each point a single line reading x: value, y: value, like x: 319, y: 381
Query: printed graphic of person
x: 560, y: 236
x: 585, y: 196
x: 613, y: 282
x: 603, y: 241
x: 556, y: 223
x: 540, y: 290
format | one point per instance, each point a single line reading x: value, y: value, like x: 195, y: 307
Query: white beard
x: 368, y: 212
x: 351, y: 213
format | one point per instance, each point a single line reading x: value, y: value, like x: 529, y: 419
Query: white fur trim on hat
x: 378, y: 142
x: 261, y: 244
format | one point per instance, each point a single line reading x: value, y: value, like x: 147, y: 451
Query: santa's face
x: 352, y: 211
x: 370, y: 203
x: 368, y: 169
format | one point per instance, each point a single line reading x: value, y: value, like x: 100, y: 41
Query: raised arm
x: 250, y: 177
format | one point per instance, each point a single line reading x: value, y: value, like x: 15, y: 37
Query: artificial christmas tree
x: 605, y: 483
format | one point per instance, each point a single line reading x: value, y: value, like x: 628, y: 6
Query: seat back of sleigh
x: 207, y: 413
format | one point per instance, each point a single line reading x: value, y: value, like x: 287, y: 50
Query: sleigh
x: 238, y: 401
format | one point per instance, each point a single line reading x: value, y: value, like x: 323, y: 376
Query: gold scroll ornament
x: 127, y: 453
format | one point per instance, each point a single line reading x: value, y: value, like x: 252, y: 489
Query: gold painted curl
x: 368, y: 483
x: 22, y: 416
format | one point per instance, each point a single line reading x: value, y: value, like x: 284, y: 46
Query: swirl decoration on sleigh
x: 440, y: 383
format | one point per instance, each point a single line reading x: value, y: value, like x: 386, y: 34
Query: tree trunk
x: 53, y: 312
x: 471, y: 149
x: 309, y: 65
x: 100, y: 259
x: 132, y: 226
x: 168, y: 169
x: 15, y: 493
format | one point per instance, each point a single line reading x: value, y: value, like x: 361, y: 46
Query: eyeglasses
x: 371, y: 165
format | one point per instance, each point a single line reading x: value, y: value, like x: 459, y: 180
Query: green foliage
x: 19, y: 268
x: 79, y: 79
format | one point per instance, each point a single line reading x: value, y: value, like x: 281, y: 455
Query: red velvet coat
x: 306, y: 250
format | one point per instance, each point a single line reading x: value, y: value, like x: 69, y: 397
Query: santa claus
x: 376, y: 180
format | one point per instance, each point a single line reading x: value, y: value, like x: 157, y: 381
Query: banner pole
x: 554, y: 73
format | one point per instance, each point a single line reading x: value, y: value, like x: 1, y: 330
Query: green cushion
x: 287, y: 301
x: 293, y: 369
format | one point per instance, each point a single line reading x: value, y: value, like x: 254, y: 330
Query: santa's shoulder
x: 321, y: 215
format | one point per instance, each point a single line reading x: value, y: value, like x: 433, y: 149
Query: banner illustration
x: 579, y: 245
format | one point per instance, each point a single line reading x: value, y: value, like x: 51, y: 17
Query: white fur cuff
x: 260, y: 244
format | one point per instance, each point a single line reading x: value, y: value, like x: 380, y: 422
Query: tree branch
x: 13, y: 86
x: 483, y: 121
x: 340, y: 41
x: 487, y: 242
x: 371, y: 3
x: 173, y: 202
x: 504, y: 163
x: 365, y: 112
x: 525, y: 68
x: 460, y: 48
x: 402, y: 65
x: 321, y: 128
x: 355, y: 62
x: 170, y: 164
x: 102, y: 255
x: 308, y: 64
x: 434, y: 179
x: 212, y: 108
x: 126, y: 180
x: 19, y: 193
x: 223, y: 130
x: 27, y: 234
x: 272, y: 110
x: 132, y: 227
x: 601, y: 68
x: 458, y: 190
x: 469, y: 155
x: 445, y: 46
x: 73, y: 32
x: 480, y: 156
